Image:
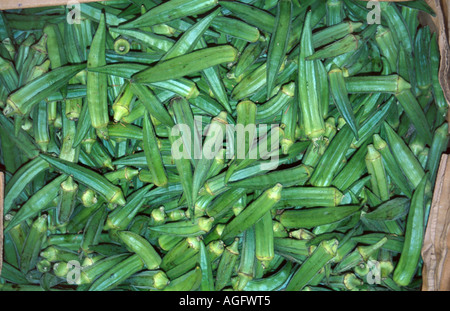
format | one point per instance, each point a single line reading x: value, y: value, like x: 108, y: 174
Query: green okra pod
x: 207, y: 283
x: 187, y: 64
x: 226, y: 265
x: 235, y: 28
x: 349, y: 43
x: 324, y: 252
x: 246, y: 268
x: 117, y: 274
x: 88, y: 177
x: 189, y: 281
x: 170, y: 10
x: 377, y: 172
x: 122, y: 216
x: 142, y: 248
x: 184, y: 249
x: 148, y: 280
x: 25, y: 98
x: 312, y: 217
x: 404, y: 157
x: 253, y: 212
x: 93, y: 229
x: 153, y: 154
x: 414, y: 231
x: 311, y: 114
x: 393, y: 209
x: 278, y: 42
x: 340, y: 96
x: 211, y: 147
x: 33, y: 244
x: 437, y: 147
x: 38, y: 202
x: 310, y: 196
x: 67, y: 200
x: 96, y: 84
x: 253, y: 15
x: 264, y: 239
x: 186, y: 228
x: 375, y: 84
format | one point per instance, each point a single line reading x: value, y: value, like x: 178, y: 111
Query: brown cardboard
x: 436, y: 263
x: 434, y: 252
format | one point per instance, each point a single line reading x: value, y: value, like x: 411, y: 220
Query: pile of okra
x: 123, y: 171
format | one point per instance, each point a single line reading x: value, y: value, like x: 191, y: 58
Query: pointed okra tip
x: 389, y: 131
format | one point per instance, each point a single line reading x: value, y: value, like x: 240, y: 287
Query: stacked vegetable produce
x: 92, y: 106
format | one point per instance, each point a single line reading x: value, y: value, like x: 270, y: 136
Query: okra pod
x: 142, y: 248
x: 89, y: 178
x: 33, y: 244
x: 311, y: 114
x: 407, y: 264
x: 318, y: 259
x: 377, y: 172
x: 169, y: 11
x: 246, y: 268
x: 96, y: 85
x: 186, y: 64
x: 153, y: 154
x: 226, y: 265
x: 404, y: 157
x: 278, y: 42
x: 253, y: 15
x: 312, y: 217
x: 252, y: 212
x: 437, y: 147
x: 117, y: 274
x: 38, y: 202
